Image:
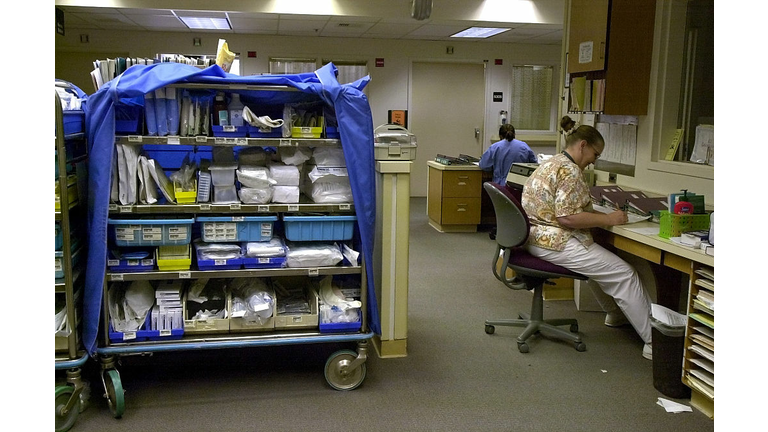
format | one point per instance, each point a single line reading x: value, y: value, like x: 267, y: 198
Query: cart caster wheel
x: 580, y: 347
x: 574, y: 328
x: 522, y: 347
x: 114, y: 393
x: 65, y: 421
x: 338, y: 374
x: 489, y: 329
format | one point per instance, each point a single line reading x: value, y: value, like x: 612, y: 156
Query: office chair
x: 531, y: 272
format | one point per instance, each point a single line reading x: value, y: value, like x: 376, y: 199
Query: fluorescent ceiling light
x: 480, y: 32
x: 204, y: 23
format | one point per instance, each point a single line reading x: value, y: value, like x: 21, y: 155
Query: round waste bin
x: 668, y: 359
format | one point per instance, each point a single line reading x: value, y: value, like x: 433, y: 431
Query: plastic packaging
x: 313, y: 254
x: 235, y: 109
x: 712, y: 228
x: 172, y: 110
x: 161, y: 114
x: 254, y: 177
x: 250, y: 195
x: 149, y: 114
x: 224, y: 57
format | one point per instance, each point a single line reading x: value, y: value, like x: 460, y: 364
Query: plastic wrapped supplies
x: 252, y: 299
x: 329, y: 156
x: 272, y: 248
x: 256, y: 185
x: 313, y: 254
x: 129, y: 304
x: 294, y: 155
x: 285, y: 175
x: 328, y: 185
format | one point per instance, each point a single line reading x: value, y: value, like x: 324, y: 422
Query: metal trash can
x: 668, y: 359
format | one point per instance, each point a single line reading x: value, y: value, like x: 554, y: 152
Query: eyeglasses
x: 597, y: 154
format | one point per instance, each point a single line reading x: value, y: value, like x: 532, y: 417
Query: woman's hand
x: 617, y: 218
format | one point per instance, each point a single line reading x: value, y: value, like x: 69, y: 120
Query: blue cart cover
x: 355, y: 123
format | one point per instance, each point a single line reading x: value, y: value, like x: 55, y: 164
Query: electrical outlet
x: 611, y: 178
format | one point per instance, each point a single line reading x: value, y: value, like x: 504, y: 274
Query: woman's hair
x: 575, y: 133
x: 507, y: 132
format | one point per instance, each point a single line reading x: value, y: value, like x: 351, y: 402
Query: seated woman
x: 502, y: 154
x: 557, y: 201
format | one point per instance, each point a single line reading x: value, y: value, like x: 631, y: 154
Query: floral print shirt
x: 557, y: 188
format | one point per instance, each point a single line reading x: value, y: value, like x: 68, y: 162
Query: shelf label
x: 205, y: 207
x: 344, y: 207
x: 174, y: 140
x: 231, y: 141
x: 116, y: 277
x: 134, y: 138
x: 165, y: 332
x: 263, y: 208
x: 130, y: 335
x: 293, y: 207
x: 185, y: 275
x: 235, y: 206
x: 126, y: 209
x: 313, y: 272
x: 238, y: 218
x: 288, y: 142
x: 220, y: 262
x: 113, y: 207
x: 201, y: 139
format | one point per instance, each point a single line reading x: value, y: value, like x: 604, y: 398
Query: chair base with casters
x: 535, y: 323
x: 531, y: 272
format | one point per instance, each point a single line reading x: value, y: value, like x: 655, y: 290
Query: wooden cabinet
x: 611, y: 44
x: 454, y: 197
x: 588, y: 35
x: 699, y: 354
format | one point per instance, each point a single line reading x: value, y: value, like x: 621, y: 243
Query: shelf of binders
x: 586, y: 95
x: 699, y: 355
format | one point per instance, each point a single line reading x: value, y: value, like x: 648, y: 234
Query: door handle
x: 477, y: 133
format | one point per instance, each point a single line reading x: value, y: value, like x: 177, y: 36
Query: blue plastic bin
x: 230, y: 131
x: 323, y: 228
x: 217, y: 229
x: 340, y: 327
x: 144, y: 334
x: 74, y: 121
x: 218, y: 264
x: 264, y: 262
x: 123, y: 265
x: 254, y: 132
x: 150, y: 232
x: 170, y: 157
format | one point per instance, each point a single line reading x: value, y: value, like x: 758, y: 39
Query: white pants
x: 614, y: 276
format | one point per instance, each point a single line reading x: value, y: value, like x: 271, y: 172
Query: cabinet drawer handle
x: 461, y: 183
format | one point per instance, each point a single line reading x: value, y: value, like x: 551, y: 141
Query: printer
x: 519, y: 173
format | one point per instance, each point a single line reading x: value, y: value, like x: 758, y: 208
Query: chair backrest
x: 512, y: 225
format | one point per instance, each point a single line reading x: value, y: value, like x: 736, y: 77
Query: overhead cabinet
x: 610, y: 44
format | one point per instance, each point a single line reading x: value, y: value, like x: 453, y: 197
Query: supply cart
x: 171, y: 231
x: 70, y: 248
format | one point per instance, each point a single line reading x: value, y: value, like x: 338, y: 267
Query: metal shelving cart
x: 344, y: 369
x: 71, y: 395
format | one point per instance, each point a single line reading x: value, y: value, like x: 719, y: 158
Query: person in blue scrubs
x: 502, y: 154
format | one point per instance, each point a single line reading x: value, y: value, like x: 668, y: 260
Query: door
x: 447, y: 114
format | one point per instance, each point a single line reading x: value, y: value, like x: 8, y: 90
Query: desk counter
x: 669, y: 263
